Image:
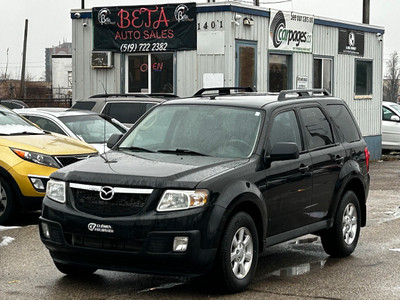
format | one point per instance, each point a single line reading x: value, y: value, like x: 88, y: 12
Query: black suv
x: 204, y: 184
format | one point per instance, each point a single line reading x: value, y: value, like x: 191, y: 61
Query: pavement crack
x: 297, y: 296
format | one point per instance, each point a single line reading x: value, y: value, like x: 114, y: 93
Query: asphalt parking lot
x: 299, y: 269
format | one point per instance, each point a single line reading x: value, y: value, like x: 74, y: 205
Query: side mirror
x: 284, y: 151
x: 113, y: 140
x: 395, y: 118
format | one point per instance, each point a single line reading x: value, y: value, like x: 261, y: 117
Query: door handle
x: 339, y: 159
x: 303, y: 169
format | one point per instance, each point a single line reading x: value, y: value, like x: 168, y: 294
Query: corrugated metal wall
x: 190, y: 66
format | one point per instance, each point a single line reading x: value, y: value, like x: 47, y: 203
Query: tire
x: 238, y: 253
x: 74, y: 270
x: 342, y: 238
x: 7, y: 203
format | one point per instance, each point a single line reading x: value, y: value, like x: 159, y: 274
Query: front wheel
x: 238, y: 253
x: 7, y: 203
x: 342, y: 238
x: 74, y: 270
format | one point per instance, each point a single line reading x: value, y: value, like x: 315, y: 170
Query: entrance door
x: 246, y: 64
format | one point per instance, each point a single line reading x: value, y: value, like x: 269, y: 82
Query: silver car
x: 390, y: 126
x: 87, y: 126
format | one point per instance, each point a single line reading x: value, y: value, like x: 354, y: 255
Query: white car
x: 390, y: 126
x: 87, y: 126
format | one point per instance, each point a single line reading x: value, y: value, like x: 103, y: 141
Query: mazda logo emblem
x: 106, y: 193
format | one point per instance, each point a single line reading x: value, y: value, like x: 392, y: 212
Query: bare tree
x: 391, y: 83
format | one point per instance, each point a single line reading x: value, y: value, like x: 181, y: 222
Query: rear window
x: 84, y: 105
x: 126, y: 112
x: 344, y: 122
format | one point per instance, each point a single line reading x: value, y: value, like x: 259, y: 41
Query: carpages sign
x: 291, y: 31
x: 147, y: 28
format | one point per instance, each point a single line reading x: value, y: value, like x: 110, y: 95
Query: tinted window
x: 344, y: 122
x: 285, y: 129
x: 317, y: 128
x: 84, y: 105
x: 125, y: 112
x: 46, y: 124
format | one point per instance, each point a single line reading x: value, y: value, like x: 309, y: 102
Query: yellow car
x: 28, y: 155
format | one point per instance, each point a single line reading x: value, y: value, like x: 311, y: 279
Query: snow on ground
x: 6, y: 240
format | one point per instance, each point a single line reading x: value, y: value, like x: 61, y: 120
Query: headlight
x: 56, y: 190
x: 179, y: 200
x: 37, y: 158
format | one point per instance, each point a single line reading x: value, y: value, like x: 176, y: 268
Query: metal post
x: 366, y: 9
x: 22, y: 88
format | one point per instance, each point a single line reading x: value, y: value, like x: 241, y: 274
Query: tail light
x: 367, y: 157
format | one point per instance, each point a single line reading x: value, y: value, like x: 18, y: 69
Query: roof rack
x: 297, y: 94
x: 162, y: 95
x: 223, y: 90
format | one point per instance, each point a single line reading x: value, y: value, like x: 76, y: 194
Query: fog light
x: 38, y: 184
x: 45, y: 230
x: 180, y: 243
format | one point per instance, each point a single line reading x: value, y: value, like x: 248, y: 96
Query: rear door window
x: 318, y: 131
x: 344, y: 122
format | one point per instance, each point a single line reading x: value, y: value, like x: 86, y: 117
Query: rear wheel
x: 342, y: 238
x: 238, y: 253
x: 7, y: 204
x: 74, y: 270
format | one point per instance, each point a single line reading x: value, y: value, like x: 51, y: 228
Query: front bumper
x: 133, y: 244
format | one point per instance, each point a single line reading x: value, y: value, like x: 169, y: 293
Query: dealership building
x: 181, y: 47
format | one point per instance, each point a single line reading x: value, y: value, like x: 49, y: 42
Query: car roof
x: 156, y: 98
x: 55, y: 111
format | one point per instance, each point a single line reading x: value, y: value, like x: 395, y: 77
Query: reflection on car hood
x: 147, y: 170
x: 10, y: 129
x: 52, y: 144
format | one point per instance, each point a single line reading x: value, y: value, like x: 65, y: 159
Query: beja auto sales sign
x: 290, y: 31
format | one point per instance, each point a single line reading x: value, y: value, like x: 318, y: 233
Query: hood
x: 51, y: 144
x: 153, y: 170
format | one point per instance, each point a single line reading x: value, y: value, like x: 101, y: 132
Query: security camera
x: 379, y: 34
x: 77, y: 15
x: 84, y: 24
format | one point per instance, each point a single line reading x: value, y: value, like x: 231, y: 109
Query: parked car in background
x: 126, y: 108
x: 28, y: 155
x: 13, y: 103
x: 87, y: 126
x: 390, y: 126
x: 202, y: 185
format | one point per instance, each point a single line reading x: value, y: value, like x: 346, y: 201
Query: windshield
x: 91, y: 128
x: 197, y: 130
x: 395, y: 107
x: 13, y: 124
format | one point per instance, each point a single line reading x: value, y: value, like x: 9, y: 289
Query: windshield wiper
x: 137, y: 149
x: 182, y: 151
x: 23, y: 133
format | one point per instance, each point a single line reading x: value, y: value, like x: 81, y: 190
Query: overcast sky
x: 50, y: 24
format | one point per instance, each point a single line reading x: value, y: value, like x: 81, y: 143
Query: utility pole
x: 22, y: 89
x: 366, y: 9
x: 256, y: 2
x: 83, y: 4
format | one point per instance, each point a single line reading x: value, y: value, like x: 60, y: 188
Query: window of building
x: 150, y: 73
x: 279, y: 70
x: 323, y: 74
x: 246, y: 64
x: 363, y: 77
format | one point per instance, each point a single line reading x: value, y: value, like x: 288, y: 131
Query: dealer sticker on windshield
x: 100, y: 228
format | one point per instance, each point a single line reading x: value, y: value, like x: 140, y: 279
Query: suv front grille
x: 126, y: 201
x: 66, y: 160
